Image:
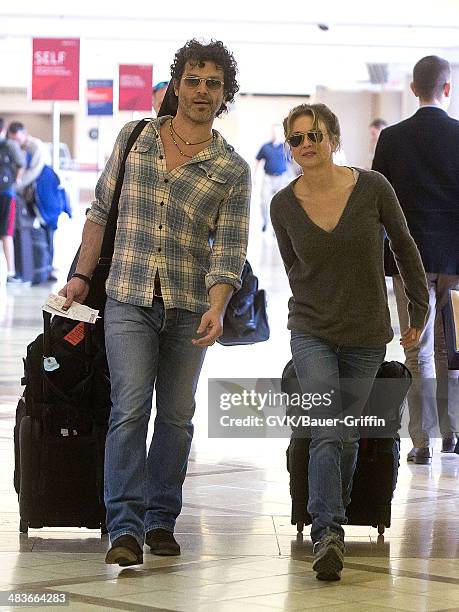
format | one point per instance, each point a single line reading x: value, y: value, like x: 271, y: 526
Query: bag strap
x: 108, y: 242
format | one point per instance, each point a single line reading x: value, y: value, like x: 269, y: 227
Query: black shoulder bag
x: 97, y: 295
x: 245, y: 320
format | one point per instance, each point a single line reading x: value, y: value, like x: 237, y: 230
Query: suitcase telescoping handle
x: 46, y: 334
x: 87, y: 346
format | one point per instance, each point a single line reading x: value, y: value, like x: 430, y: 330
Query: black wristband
x: 83, y: 277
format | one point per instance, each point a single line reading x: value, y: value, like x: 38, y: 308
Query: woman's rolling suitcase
x: 375, y: 477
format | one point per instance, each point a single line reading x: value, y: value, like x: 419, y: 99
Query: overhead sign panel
x: 56, y: 69
x: 135, y: 86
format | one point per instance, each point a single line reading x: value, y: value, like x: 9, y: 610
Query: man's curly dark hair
x: 215, y: 51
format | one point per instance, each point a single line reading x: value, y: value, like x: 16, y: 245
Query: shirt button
x: 159, y: 250
x: 210, y: 176
x: 166, y: 180
x: 162, y: 203
x: 160, y: 227
x: 161, y: 157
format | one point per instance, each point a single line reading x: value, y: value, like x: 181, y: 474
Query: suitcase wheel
x: 381, y: 529
x: 23, y: 526
x: 300, y: 527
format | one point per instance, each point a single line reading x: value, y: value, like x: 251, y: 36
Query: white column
x: 410, y: 103
x: 453, y: 109
x: 56, y: 134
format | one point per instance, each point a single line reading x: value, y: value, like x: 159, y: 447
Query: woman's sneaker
x: 328, y: 556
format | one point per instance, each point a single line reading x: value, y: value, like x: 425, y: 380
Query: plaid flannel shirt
x: 190, y: 224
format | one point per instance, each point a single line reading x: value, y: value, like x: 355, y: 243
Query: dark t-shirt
x: 274, y: 156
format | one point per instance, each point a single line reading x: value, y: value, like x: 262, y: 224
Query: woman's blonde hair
x: 319, y: 113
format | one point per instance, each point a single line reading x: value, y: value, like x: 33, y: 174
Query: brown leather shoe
x: 125, y: 551
x: 162, y: 542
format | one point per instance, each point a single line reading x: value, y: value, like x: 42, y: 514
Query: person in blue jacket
x: 40, y: 185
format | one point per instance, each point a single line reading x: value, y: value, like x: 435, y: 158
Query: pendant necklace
x: 175, y: 142
x: 186, y: 141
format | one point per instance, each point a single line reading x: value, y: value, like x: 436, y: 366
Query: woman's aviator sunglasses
x: 297, y: 138
x: 193, y: 82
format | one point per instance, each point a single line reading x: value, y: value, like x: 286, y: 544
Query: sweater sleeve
x: 283, y: 239
x: 17, y: 154
x: 405, y: 252
x: 37, y: 162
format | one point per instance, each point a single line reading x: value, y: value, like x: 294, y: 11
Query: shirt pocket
x: 214, y: 175
x: 140, y: 162
x: 140, y: 174
x: 210, y: 188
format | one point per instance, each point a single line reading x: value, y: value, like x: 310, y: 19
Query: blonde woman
x: 330, y: 224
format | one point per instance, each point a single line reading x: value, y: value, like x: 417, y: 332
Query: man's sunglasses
x: 297, y: 138
x: 193, y: 82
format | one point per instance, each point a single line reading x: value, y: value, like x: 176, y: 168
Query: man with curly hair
x: 179, y: 251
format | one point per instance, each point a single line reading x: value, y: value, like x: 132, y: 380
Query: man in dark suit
x: 420, y: 158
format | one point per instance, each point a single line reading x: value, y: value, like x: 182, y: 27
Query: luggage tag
x: 50, y: 364
x: 75, y: 335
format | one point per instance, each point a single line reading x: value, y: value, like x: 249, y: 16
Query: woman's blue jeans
x: 147, y: 348
x: 349, y: 371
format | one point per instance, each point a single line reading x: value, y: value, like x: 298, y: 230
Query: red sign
x: 56, y: 69
x: 135, y: 87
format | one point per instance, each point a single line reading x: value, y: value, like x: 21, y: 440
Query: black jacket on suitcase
x: 61, y: 423
x: 375, y: 476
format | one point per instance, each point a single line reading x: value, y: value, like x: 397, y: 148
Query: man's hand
x: 212, y: 323
x: 76, y: 290
x: 410, y: 337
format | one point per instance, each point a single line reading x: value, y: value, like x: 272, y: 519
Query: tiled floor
x: 240, y: 552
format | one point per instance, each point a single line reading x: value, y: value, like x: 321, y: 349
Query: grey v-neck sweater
x: 337, y: 278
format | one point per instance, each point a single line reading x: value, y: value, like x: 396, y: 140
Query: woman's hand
x: 410, y: 337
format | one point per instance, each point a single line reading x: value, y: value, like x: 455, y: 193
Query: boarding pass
x: 78, y: 312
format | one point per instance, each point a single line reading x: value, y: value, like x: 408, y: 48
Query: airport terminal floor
x: 239, y: 550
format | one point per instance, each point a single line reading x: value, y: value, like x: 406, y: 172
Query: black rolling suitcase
x: 61, y: 424
x: 23, y: 247
x: 375, y: 477
x: 41, y: 256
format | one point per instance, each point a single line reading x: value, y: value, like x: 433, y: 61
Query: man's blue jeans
x: 333, y: 449
x: 148, y: 347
